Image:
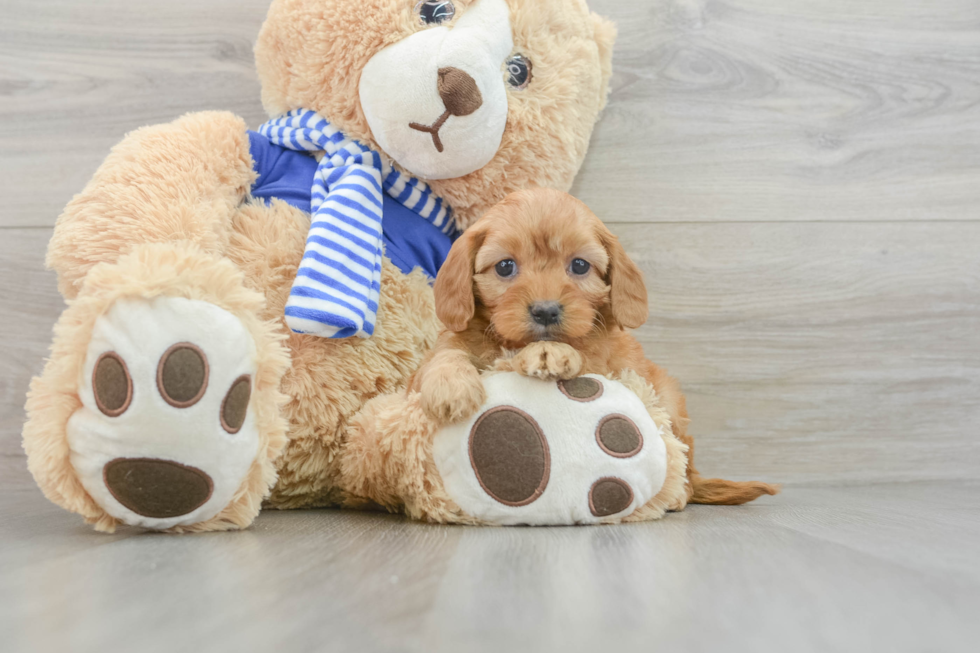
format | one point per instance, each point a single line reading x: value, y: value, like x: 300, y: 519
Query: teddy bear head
x: 478, y: 97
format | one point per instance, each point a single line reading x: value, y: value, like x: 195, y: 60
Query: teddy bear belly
x: 329, y: 380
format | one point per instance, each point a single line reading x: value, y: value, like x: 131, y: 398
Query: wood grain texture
x: 810, y: 353
x: 889, y: 568
x: 30, y: 305
x: 820, y: 352
x: 75, y: 76
x: 790, y: 110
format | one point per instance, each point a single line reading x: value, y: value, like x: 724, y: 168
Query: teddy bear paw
x: 579, y: 451
x: 164, y: 436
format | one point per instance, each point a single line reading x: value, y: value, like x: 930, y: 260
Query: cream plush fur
x: 169, y: 214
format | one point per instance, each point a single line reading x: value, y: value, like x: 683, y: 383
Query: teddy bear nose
x: 459, y: 91
x: 546, y: 313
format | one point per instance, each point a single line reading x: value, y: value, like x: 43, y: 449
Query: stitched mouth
x: 433, y: 129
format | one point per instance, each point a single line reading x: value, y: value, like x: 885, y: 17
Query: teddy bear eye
x: 435, y: 12
x: 519, y: 71
x: 580, y: 267
x: 506, y: 268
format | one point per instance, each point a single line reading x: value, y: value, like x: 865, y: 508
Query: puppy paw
x: 451, y: 393
x: 549, y: 361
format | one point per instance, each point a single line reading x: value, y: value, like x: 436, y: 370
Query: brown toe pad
x: 619, y: 436
x: 609, y: 496
x: 112, y: 385
x: 509, y: 453
x: 582, y: 389
x: 182, y: 375
x: 234, y: 406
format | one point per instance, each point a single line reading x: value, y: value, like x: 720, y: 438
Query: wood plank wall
x: 800, y: 180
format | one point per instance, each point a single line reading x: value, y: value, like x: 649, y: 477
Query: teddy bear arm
x: 179, y: 181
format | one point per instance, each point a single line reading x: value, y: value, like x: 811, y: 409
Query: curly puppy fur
x: 544, y: 248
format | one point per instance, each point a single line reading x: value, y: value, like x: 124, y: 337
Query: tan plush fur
x: 541, y: 234
x: 329, y: 380
x: 179, y: 192
x: 175, y: 182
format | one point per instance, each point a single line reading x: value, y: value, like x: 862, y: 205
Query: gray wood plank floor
x: 890, y: 568
x: 800, y: 181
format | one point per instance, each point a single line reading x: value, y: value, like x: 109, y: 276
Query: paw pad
x: 509, y: 453
x: 235, y: 404
x: 160, y: 489
x: 619, y: 437
x: 182, y: 376
x: 609, y: 496
x: 112, y: 385
x: 581, y: 389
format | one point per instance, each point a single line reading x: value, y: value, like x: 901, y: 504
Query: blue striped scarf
x: 338, y: 284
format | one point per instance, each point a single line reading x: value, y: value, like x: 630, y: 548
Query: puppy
x: 541, y: 287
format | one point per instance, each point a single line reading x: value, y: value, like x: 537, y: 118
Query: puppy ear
x: 455, y: 303
x: 628, y: 294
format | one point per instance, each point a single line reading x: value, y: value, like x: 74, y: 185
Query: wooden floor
x: 800, y: 181
x: 887, y: 568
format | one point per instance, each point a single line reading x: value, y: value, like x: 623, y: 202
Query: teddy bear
x: 244, y: 308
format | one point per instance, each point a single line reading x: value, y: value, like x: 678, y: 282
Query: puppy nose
x: 545, y: 313
x: 459, y: 92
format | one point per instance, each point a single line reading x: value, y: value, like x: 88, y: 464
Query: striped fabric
x: 338, y: 284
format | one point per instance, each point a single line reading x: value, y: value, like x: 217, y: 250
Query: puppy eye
x: 519, y: 72
x: 435, y: 12
x: 506, y: 269
x: 580, y: 267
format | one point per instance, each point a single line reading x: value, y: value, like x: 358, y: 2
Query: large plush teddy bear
x: 237, y: 299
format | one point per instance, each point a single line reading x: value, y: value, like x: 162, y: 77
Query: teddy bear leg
x: 180, y: 181
x: 581, y: 451
x: 586, y: 450
x: 388, y: 461
x: 160, y: 405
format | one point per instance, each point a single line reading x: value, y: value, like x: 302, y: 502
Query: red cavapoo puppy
x: 540, y: 286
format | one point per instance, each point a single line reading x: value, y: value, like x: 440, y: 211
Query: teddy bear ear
x: 604, y: 31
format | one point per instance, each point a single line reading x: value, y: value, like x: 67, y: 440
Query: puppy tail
x: 719, y: 492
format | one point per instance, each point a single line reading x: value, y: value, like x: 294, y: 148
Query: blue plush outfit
x: 410, y: 240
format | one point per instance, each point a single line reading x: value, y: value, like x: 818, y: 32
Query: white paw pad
x: 582, y: 451
x: 165, y: 436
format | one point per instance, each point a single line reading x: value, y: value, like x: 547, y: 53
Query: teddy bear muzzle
x: 436, y: 101
x: 460, y: 94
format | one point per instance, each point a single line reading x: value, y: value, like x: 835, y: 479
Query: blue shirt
x: 410, y: 240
